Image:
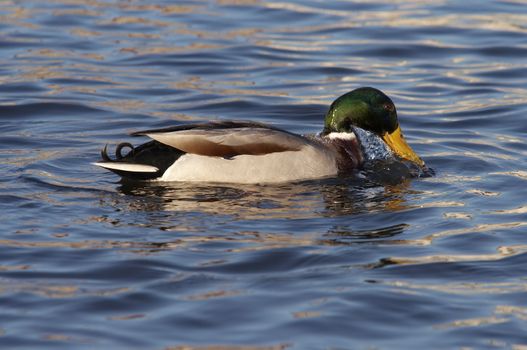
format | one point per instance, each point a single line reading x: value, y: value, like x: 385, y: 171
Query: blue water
x: 89, y: 263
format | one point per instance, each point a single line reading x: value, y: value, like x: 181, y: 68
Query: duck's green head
x: 369, y: 109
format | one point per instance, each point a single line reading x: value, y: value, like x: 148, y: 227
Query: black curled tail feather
x: 118, y: 152
x: 104, y: 154
x: 152, y: 153
x: 119, y: 148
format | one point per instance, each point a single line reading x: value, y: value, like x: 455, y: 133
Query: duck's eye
x: 389, y: 107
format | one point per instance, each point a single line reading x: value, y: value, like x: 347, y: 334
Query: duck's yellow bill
x: 397, y: 143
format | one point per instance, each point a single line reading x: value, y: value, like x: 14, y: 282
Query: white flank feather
x: 308, y: 163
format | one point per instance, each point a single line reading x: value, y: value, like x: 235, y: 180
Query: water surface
x: 87, y: 262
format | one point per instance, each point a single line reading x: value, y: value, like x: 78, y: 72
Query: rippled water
x: 87, y: 262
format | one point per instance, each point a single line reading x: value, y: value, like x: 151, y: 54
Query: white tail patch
x: 135, y: 168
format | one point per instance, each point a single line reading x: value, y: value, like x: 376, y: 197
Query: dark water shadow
x: 343, y: 235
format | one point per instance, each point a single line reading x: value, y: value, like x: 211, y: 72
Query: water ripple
x: 385, y: 262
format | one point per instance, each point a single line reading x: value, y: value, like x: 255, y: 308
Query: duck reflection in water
x: 329, y: 197
x: 168, y: 207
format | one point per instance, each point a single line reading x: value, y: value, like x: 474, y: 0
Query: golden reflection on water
x: 502, y: 252
x: 14, y: 267
x: 473, y: 322
x: 54, y: 291
x: 518, y: 311
x: 86, y: 244
x: 307, y: 314
x: 169, y: 50
x: 458, y: 215
x: 57, y: 337
x: 244, y: 240
x: 500, y: 314
x: 483, y: 192
x: 520, y: 174
x: 479, y: 228
x: 461, y: 288
x: 412, y: 14
x: 237, y: 87
x: 213, y: 295
x: 229, y: 347
x: 518, y: 210
x: 126, y: 317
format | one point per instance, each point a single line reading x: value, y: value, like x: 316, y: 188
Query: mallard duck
x: 250, y: 152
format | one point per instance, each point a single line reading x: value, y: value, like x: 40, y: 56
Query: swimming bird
x: 251, y: 152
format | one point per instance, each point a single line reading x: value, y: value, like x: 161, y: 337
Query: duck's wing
x: 227, y: 139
